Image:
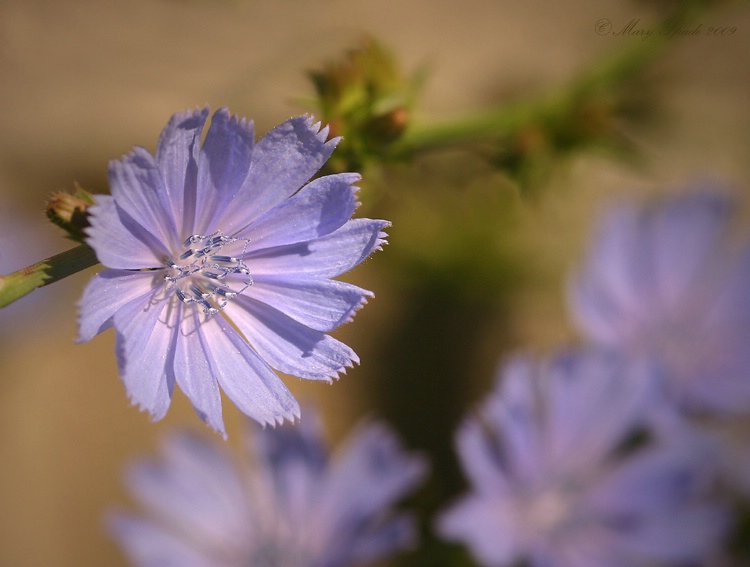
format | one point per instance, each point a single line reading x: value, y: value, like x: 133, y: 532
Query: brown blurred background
x: 81, y: 82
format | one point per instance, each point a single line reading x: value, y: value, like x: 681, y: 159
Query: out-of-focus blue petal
x: 589, y: 486
x: 289, y: 505
x: 197, y: 489
x: 666, y: 281
x: 149, y: 545
x: 485, y: 523
x: 584, y: 423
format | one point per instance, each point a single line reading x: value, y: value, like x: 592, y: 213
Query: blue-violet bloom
x: 559, y: 477
x: 670, y: 281
x: 289, y: 504
x: 220, y: 257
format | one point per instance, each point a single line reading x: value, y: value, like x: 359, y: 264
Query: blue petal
x: 148, y: 544
x: 120, y: 242
x: 319, y: 304
x: 282, y: 162
x: 293, y: 444
x: 105, y: 294
x: 145, y: 349
x: 193, y: 372
x: 686, y: 238
x: 246, y: 379
x: 288, y: 346
x: 138, y: 189
x: 594, y: 400
x: 196, y: 490
x: 374, y: 458
x: 325, y: 257
x: 177, y: 158
x: 483, y: 458
x: 319, y: 208
x: 223, y: 167
x: 369, y: 474
x: 486, y: 525
x: 660, y: 493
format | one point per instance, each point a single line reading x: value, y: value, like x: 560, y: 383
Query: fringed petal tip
x: 233, y: 119
x: 292, y: 417
x: 198, y: 112
x: 216, y: 426
x: 349, y: 316
x: 154, y: 414
x: 319, y: 131
x: 382, y: 238
x: 333, y: 375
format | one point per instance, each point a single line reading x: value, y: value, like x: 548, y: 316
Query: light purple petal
x: 688, y: 537
x: 148, y: 544
x: 369, y: 472
x: 326, y: 257
x: 685, y: 238
x: 319, y: 208
x: 596, y: 399
x: 483, y: 457
x: 282, y: 162
x: 193, y: 372
x: 224, y: 164
x: 138, y: 190
x: 620, y: 271
x: 512, y: 415
x: 177, y: 159
x: 486, y: 526
x: 321, y: 305
x: 292, y: 506
x: 656, y: 503
x: 596, y: 312
x: 105, y: 294
x: 120, y: 242
x: 196, y: 490
x: 145, y: 347
x: 398, y: 533
x: 245, y: 378
x: 288, y: 346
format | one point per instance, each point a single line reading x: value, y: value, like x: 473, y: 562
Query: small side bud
x: 69, y: 211
x: 365, y: 98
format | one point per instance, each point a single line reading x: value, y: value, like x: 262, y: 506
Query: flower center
x: 210, y: 272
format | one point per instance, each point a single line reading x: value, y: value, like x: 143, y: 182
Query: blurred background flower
x: 564, y: 471
x: 285, y: 502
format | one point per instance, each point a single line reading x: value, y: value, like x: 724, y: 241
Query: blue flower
x: 668, y: 281
x: 559, y: 479
x: 289, y: 504
x: 220, y: 257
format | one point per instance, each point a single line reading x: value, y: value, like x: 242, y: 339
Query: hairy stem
x: 14, y: 286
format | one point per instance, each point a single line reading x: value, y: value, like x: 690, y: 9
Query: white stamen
x: 200, y: 281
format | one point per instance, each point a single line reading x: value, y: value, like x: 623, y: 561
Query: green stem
x: 503, y: 122
x: 14, y: 286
